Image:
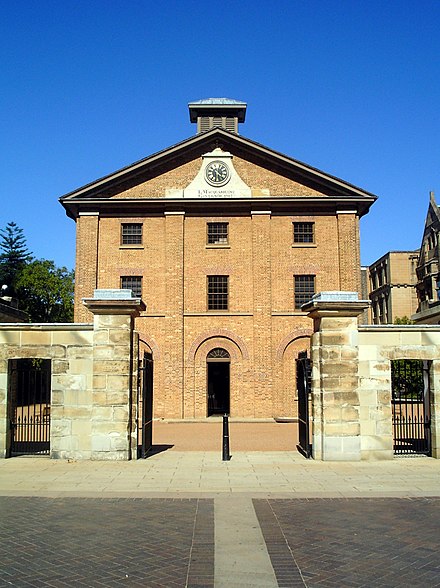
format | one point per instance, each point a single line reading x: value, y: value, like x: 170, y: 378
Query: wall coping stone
x: 389, y: 327
x: 46, y: 327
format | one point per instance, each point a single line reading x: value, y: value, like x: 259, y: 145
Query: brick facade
x: 261, y: 330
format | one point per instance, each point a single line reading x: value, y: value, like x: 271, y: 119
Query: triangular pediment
x: 266, y: 172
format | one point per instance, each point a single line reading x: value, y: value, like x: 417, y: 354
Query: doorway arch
x: 218, y: 363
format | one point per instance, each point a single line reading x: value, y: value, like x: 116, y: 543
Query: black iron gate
x: 410, y: 406
x: 29, y: 406
x: 145, y: 405
x: 303, y: 386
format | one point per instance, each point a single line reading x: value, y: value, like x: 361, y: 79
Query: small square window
x: 217, y: 233
x: 133, y: 283
x: 218, y: 292
x: 304, y: 290
x: 131, y: 234
x: 303, y: 232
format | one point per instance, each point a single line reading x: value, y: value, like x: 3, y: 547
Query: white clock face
x: 217, y: 173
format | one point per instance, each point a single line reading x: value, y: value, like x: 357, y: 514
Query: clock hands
x: 217, y: 172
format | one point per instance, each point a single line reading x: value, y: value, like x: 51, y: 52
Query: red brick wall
x: 261, y: 330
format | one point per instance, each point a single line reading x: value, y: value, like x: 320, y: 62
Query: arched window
x: 218, y: 354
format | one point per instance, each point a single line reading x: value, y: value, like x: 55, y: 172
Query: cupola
x: 211, y: 113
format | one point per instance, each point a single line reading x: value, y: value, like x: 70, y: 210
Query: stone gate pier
x: 93, y: 376
x: 351, y: 379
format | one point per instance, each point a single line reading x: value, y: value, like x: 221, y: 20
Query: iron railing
x: 410, y: 407
x: 29, y: 406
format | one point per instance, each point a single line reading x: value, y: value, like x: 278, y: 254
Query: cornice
x: 278, y: 205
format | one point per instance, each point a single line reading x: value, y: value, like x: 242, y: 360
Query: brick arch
x: 219, y: 334
x: 208, y: 344
x: 151, y: 344
x: 298, y: 334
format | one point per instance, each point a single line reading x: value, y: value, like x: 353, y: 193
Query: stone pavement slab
x: 204, y: 474
x: 241, y: 556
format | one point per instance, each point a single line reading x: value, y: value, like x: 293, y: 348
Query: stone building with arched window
x: 224, y: 239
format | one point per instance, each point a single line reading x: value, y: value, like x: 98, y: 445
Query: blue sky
x: 351, y: 87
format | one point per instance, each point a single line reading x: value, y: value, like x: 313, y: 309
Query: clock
x: 217, y: 173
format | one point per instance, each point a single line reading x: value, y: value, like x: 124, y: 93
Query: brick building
x: 224, y: 239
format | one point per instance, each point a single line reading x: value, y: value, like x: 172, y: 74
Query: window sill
x: 288, y: 313
x: 217, y: 246
x: 131, y: 246
x: 306, y: 245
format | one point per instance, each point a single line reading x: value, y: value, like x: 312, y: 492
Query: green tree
x: 46, y: 292
x: 13, y: 257
x: 403, y: 320
x: 407, y: 378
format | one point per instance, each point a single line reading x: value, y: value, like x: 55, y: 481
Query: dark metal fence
x: 145, y: 405
x: 410, y: 406
x: 29, y: 406
x: 303, y: 386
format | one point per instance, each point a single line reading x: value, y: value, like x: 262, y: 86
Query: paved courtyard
x: 186, y: 518
x: 160, y: 542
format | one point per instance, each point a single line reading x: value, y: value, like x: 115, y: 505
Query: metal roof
x: 216, y: 101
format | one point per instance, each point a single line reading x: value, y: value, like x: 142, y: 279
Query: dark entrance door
x: 218, y: 362
x: 29, y: 406
x: 411, y: 406
x: 145, y: 405
x: 303, y: 376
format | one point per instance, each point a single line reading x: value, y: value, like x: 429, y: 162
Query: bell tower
x: 222, y: 113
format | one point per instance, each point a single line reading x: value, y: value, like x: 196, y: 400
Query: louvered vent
x: 231, y: 125
x: 220, y: 113
x: 207, y: 123
x: 204, y: 124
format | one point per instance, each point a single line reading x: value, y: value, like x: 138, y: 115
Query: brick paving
x: 350, y: 543
x: 106, y: 543
x: 207, y: 435
x: 354, y: 543
x: 157, y: 522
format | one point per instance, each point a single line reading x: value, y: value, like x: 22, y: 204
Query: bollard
x: 226, y: 456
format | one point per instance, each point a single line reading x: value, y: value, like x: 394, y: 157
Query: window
x: 131, y: 234
x: 217, y: 233
x: 382, y: 274
x: 304, y: 290
x: 303, y: 232
x: 218, y: 292
x: 133, y: 283
x: 218, y: 354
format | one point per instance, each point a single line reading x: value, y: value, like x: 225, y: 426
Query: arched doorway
x: 218, y: 362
